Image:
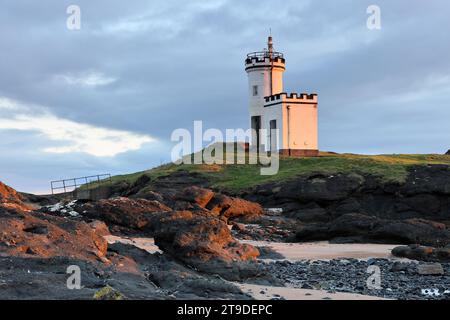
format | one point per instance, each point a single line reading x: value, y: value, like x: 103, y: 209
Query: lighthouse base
x: 299, y: 153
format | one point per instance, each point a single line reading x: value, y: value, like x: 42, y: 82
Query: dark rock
x: 148, y: 195
x: 311, y: 215
x: 424, y: 195
x: 361, y: 228
x: 38, y: 229
x: 422, y: 253
x: 319, y: 188
x: 134, y: 214
x: 400, y: 266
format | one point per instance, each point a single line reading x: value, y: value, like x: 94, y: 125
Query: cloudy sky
x: 107, y: 97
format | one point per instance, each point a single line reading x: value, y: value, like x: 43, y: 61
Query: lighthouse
x: 280, y: 121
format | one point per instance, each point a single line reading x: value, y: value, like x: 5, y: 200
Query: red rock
x: 9, y: 195
x: 231, y: 207
x: 39, y: 234
x: 196, y: 238
x: 196, y: 195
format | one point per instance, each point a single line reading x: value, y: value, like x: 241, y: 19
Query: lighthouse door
x: 256, y: 127
x: 273, y: 136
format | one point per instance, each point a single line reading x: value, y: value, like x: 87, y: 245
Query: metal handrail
x: 264, y: 54
x: 72, y: 183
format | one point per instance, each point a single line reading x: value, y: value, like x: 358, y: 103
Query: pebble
x: 399, y: 280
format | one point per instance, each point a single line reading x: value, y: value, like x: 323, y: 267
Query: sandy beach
x: 327, y: 251
x: 267, y: 293
x: 293, y: 252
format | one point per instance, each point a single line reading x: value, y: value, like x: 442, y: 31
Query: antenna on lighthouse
x: 270, y: 43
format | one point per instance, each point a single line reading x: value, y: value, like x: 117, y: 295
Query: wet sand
x: 267, y: 293
x: 291, y: 251
x: 147, y: 244
x: 327, y: 251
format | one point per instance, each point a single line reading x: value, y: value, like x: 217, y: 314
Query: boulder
x: 431, y: 269
x: 422, y: 253
x: 204, y: 242
x: 412, y: 231
x: 100, y: 228
x: 129, y: 213
x: 231, y: 207
x: 197, y: 195
x: 218, y: 204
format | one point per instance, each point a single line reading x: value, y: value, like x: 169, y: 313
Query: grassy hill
x: 390, y: 168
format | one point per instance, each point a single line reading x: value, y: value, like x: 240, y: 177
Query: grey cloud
x: 185, y: 63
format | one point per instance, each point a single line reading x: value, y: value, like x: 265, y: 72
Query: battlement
x: 292, y: 97
x: 265, y: 59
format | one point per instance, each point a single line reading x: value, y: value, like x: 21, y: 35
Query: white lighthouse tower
x: 294, y: 115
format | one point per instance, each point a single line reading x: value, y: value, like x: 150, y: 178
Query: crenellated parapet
x: 290, y: 98
x: 265, y: 59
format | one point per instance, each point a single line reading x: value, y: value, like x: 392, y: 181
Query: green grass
x: 233, y: 177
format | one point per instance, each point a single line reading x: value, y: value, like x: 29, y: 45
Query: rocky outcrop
x: 322, y: 198
x: 205, y: 242
x: 30, y: 234
x: 198, y: 237
x: 36, y: 248
x: 25, y: 233
x: 132, y: 272
x: 422, y: 253
x: 219, y: 204
x: 10, y: 198
x: 9, y: 195
x: 125, y: 212
x: 361, y: 228
x: 231, y: 207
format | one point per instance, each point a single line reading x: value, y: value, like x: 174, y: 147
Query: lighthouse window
x: 255, y: 90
